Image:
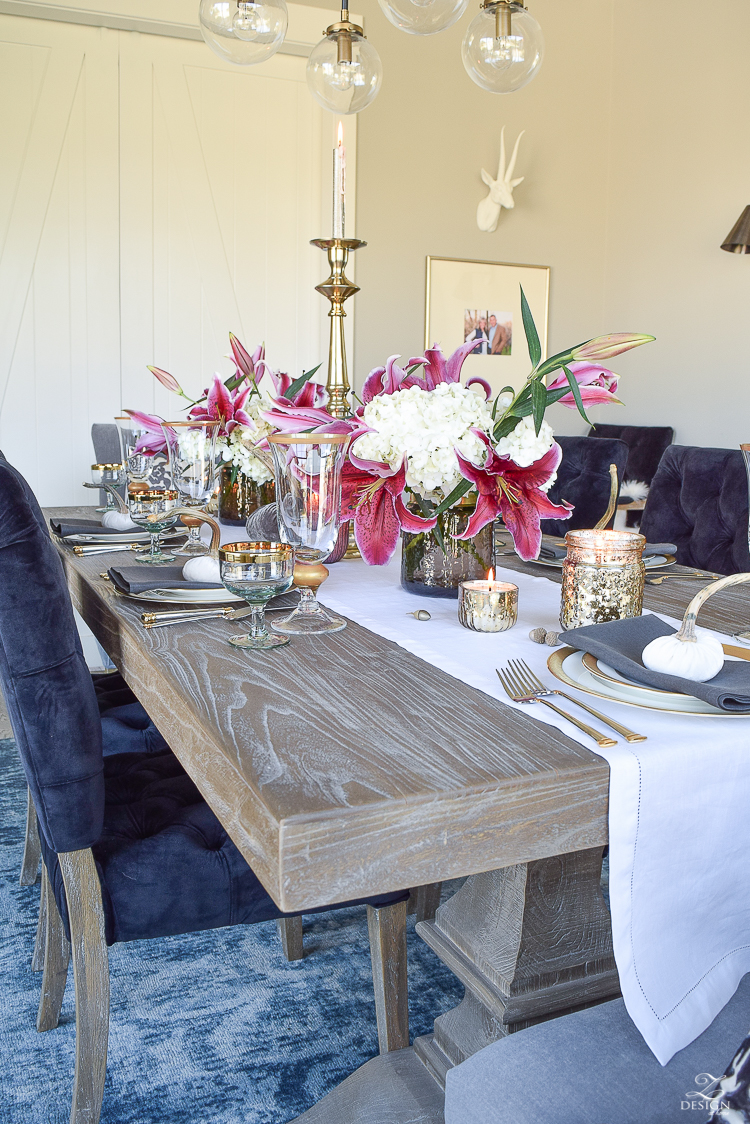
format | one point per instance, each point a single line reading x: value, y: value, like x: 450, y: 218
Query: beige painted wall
x: 636, y: 168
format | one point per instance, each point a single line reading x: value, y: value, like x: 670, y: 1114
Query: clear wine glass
x: 308, y: 500
x: 257, y: 571
x: 191, y: 446
x: 153, y: 509
x: 107, y: 474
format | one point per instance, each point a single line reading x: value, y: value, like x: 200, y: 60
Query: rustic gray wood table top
x: 343, y: 766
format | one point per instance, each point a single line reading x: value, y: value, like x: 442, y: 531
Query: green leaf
x: 507, y: 424
x: 437, y: 531
x: 538, y: 403
x: 529, y: 327
x: 460, y: 490
x: 297, y: 385
x: 576, y: 394
x: 555, y: 395
x: 233, y: 381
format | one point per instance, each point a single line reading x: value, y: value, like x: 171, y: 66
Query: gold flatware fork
x: 515, y: 690
x: 535, y: 685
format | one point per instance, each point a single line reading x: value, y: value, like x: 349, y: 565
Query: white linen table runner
x: 679, y: 822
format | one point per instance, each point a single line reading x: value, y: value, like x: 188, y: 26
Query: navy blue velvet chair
x: 130, y: 848
x: 699, y: 501
x: 583, y: 479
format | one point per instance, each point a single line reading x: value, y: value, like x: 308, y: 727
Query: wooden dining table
x: 343, y: 766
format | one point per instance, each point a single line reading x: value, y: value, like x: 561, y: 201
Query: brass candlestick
x: 338, y: 288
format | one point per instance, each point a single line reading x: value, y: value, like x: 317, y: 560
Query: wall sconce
x: 738, y: 239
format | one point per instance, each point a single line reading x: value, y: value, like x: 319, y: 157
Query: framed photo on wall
x: 482, y: 300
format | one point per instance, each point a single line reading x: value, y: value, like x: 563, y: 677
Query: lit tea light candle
x: 487, y: 605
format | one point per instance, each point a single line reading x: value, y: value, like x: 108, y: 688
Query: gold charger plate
x: 570, y: 670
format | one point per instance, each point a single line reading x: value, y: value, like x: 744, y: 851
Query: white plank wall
x: 153, y: 198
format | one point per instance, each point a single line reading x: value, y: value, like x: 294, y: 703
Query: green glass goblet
x: 257, y: 571
x: 153, y: 509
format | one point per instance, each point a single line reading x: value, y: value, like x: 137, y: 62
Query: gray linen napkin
x: 551, y: 551
x: 64, y: 527
x: 142, y: 577
x: 621, y: 643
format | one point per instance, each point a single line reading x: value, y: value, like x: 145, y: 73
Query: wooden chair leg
x: 37, y: 958
x: 424, y: 901
x: 387, y: 930
x: 91, y: 974
x: 56, y: 958
x: 290, y: 932
x: 32, y: 851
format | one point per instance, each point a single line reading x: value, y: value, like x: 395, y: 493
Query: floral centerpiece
x: 238, y: 403
x: 423, y: 445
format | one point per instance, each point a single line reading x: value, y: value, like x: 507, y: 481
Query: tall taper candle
x: 339, y: 186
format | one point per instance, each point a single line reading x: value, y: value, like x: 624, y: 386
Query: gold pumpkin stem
x: 687, y: 628
x: 614, y: 488
x: 203, y: 517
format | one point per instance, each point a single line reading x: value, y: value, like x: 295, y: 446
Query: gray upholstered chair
x: 699, y: 501
x: 593, y: 1067
x: 130, y: 849
x: 583, y: 479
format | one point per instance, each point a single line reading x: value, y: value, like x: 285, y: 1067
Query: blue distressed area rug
x: 213, y: 1028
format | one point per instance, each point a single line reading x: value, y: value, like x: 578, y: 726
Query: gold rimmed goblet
x: 153, y: 509
x: 257, y: 571
x: 308, y: 502
x: 191, y: 446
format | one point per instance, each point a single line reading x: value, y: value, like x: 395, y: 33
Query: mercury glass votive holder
x: 602, y: 577
x: 487, y: 606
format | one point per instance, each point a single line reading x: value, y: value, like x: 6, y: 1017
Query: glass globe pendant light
x: 244, y: 32
x: 344, y: 71
x: 503, y: 47
x: 423, y: 17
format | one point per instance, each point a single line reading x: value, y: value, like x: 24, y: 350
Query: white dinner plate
x: 653, y: 562
x: 566, y: 664
x: 189, y: 596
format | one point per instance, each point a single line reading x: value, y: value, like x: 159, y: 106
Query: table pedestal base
x: 528, y: 942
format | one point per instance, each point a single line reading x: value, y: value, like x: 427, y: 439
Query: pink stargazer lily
x: 597, y: 385
x: 251, y: 366
x: 435, y: 369
x: 515, y: 493
x: 225, y: 406
x: 606, y: 347
x: 373, y: 496
x: 154, y: 440
x: 167, y: 380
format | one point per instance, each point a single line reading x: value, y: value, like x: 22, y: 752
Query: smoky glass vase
x: 434, y: 562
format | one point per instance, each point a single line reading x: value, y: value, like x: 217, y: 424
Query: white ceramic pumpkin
x: 698, y: 660
x: 118, y: 521
x: 204, y: 568
x: 685, y: 653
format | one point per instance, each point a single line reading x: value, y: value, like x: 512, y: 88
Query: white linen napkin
x: 679, y: 827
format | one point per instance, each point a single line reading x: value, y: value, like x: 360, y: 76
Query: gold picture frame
x: 459, y: 293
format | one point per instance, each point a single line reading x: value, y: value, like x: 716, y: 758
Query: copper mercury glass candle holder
x: 602, y: 577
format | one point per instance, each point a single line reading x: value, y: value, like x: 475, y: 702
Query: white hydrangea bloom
x: 523, y: 445
x: 427, y: 426
x: 237, y: 448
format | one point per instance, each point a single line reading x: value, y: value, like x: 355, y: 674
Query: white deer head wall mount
x: 501, y: 190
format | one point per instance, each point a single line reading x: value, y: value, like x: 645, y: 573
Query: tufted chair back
x: 699, y: 501
x: 47, y: 686
x: 583, y: 479
x: 646, y: 445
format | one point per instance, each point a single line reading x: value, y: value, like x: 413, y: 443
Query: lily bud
x: 166, y: 379
x: 605, y: 347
